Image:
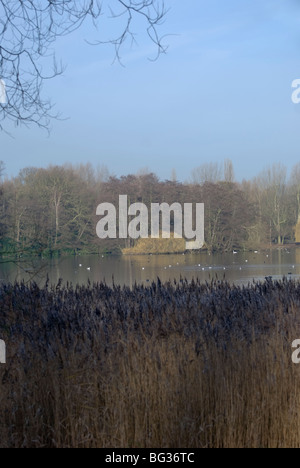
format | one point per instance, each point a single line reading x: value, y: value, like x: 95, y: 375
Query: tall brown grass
x: 168, y: 366
x: 157, y: 246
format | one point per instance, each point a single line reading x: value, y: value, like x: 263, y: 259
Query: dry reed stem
x: 161, y: 367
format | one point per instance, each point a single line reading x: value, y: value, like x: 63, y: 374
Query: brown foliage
x: 174, y: 365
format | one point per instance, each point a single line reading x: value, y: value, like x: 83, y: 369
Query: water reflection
x: 238, y: 268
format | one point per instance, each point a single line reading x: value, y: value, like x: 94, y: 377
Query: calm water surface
x: 240, y: 268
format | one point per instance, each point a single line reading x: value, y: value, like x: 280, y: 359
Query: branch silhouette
x: 27, y: 31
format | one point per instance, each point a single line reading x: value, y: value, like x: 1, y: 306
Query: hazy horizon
x: 222, y: 91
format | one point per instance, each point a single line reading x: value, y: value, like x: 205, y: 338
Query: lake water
x: 239, y: 268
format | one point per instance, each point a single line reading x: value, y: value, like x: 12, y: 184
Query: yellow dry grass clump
x: 156, y: 246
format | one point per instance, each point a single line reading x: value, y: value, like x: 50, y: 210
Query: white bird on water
x: 88, y: 268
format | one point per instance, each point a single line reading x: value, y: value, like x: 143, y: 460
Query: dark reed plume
x: 167, y: 365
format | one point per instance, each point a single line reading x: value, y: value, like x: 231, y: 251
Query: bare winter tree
x: 207, y: 172
x: 273, y: 182
x: 228, y: 171
x: 295, y: 185
x: 2, y: 170
x: 29, y: 28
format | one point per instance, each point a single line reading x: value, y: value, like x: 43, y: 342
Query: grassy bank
x: 156, y: 246
x: 173, y: 365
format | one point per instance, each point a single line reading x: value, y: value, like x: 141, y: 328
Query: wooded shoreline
x: 53, y: 211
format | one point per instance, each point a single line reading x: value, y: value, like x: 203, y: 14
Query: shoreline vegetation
x: 53, y: 211
x: 142, y: 247
x: 174, y: 365
x: 177, y: 246
x: 134, y: 252
x: 156, y: 246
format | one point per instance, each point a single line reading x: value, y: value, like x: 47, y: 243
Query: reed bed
x: 175, y: 365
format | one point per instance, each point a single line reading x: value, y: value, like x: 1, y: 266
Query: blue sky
x: 223, y: 90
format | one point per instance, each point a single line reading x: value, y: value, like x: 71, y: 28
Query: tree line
x: 53, y: 211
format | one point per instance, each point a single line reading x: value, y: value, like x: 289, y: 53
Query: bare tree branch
x: 28, y: 29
